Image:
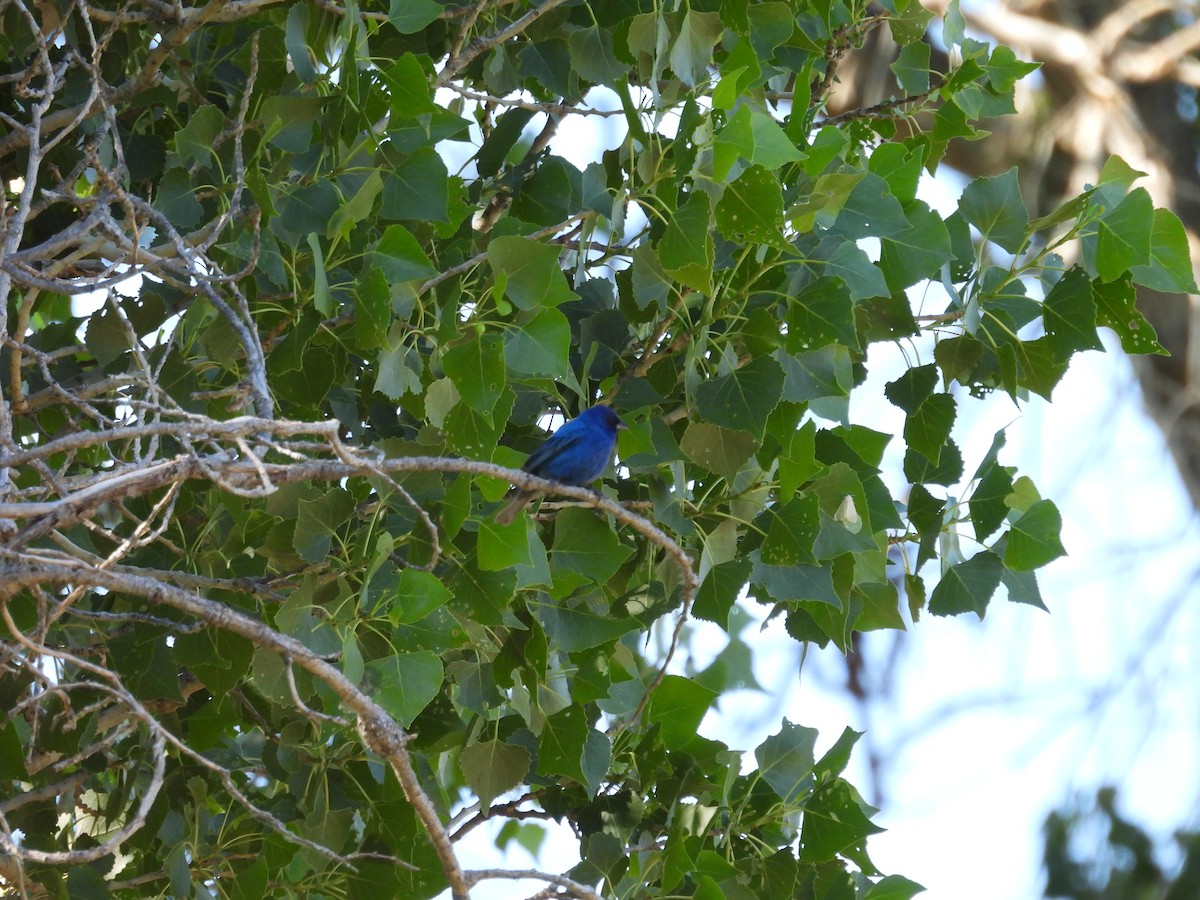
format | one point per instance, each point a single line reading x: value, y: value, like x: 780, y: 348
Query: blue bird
x: 576, y: 454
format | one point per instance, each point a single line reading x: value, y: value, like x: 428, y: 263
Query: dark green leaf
x: 967, y: 586
x: 786, y: 760
x: 538, y: 345
x: 686, y: 249
x: 744, y: 398
x: 836, y: 821
x: 404, y: 684
x: 573, y: 630
x: 410, y: 16
x: 720, y: 450
x: 493, y: 767
x: 911, y: 389
x: 418, y: 189
x: 752, y: 208
x: 994, y: 206
x: 1123, y: 236
x: 720, y: 589
x: 928, y: 429
x: 400, y: 257
x: 592, y: 55
x: 678, y: 705
x: 477, y: 369
x: 532, y: 275
x: 1070, y: 313
x: 584, y: 544
x: 821, y: 314
x: 418, y: 594
x: 1115, y: 308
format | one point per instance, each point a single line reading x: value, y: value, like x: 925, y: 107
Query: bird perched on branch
x: 576, y: 454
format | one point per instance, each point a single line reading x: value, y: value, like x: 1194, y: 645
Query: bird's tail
x: 517, y: 501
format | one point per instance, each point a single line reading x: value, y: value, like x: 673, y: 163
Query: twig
x: 582, y: 891
x: 457, y: 63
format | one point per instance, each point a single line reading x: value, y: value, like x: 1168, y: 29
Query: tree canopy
x: 261, y: 633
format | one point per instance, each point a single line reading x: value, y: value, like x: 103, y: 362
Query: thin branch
x: 457, y: 63
x: 582, y: 891
x: 556, y: 109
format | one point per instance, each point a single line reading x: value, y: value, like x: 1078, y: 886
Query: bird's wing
x: 559, y: 442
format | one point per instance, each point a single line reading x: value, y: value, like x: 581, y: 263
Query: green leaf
x: 792, y: 529
x: 503, y: 547
x: 911, y: 68
x: 318, y: 520
x: 751, y: 208
x: 821, y: 314
x: 784, y: 583
x: 720, y: 590
x: 538, y: 345
x: 1116, y: 308
x: 195, y: 140
x: 411, y: 16
x: 357, y: 208
x: 786, y: 760
x: 1170, y: 266
x: 562, y: 743
x: 418, y: 189
x: 722, y: 451
x: 818, y: 373
x: 505, y: 134
x: 797, y: 458
x: 1033, y: 539
x: 309, y: 209
x: 678, y: 705
x: 405, y: 683
x: 395, y: 375
x: 994, y: 206
x: 1123, y: 236
x: 870, y: 210
x: 911, y: 389
x: 477, y: 369
x: 408, y: 88
x: 967, y: 586
x: 836, y: 821
x: 592, y: 55
x: 773, y: 149
x: 533, y: 278
x: 692, y: 52
x: 418, y: 594
x: 1004, y: 69
x: 686, y: 248
x: 321, y: 298
x: 927, y: 430
x: 1069, y: 312
x: 651, y: 283
x: 584, y: 544
x: 573, y: 630
x: 288, y: 121
x: 947, y: 470
x: 744, y: 398
x: 493, y: 767
x: 851, y: 264
x: 1023, y: 588
x: 916, y: 252
x: 987, y: 506
x: 400, y: 257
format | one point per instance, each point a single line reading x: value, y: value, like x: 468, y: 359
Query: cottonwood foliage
x: 261, y: 635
